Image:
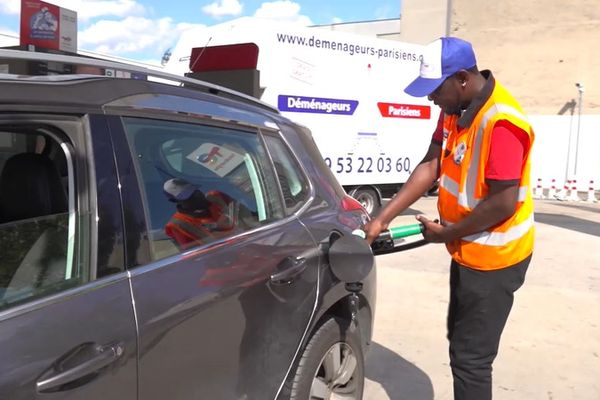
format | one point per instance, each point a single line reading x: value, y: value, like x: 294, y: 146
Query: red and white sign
x: 392, y: 110
x: 48, y: 26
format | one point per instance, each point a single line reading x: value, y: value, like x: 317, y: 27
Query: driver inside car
x: 200, y: 218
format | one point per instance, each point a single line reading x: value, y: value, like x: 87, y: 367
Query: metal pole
x: 568, y: 166
x: 448, y: 17
x: 580, y: 88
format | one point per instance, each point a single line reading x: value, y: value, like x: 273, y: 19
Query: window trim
x: 311, y: 190
x: 69, y: 151
x: 42, y: 124
x: 67, y: 148
x: 256, y: 185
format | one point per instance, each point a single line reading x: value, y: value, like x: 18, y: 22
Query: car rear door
x: 221, y: 318
x: 67, y: 328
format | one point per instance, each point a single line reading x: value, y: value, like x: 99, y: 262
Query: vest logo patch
x: 459, y: 152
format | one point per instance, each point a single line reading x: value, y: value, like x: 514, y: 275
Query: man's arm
x: 503, y: 174
x: 499, y: 205
x: 418, y: 183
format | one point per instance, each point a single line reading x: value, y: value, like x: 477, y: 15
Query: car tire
x: 332, y: 363
x: 369, y: 200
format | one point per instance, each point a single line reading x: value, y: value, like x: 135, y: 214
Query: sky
x: 143, y: 30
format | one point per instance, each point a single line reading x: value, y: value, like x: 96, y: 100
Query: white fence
x: 567, y: 148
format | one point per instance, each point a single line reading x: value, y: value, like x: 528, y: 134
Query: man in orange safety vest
x: 480, y: 152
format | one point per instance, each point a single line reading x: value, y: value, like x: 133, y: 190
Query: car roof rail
x: 156, y: 74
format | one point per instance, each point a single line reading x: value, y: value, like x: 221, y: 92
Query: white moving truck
x: 346, y: 88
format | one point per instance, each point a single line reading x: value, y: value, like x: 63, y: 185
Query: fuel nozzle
x: 385, y: 240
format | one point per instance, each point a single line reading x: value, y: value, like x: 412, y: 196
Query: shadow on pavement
x: 415, y: 211
x: 569, y: 222
x: 580, y: 206
x: 400, y: 379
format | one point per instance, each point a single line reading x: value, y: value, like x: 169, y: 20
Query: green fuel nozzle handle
x: 396, y: 232
x: 384, y: 243
x: 399, y: 232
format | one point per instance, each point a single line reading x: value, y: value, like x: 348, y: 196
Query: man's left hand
x: 434, y: 231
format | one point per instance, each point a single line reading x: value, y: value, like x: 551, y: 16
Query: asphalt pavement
x: 550, y: 349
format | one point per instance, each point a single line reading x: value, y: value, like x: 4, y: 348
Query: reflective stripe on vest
x: 500, y: 238
x: 467, y: 197
x: 193, y: 231
x: 470, y: 201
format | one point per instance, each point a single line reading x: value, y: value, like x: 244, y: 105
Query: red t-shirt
x: 507, y: 150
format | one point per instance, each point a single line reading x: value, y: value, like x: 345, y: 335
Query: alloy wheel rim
x: 335, y: 378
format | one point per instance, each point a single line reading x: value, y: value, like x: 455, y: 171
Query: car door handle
x: 288, y: 269
x: 55, y: 378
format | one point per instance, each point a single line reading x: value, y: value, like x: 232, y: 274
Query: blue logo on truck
x: 316, y: 105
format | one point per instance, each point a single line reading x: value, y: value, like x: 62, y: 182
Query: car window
x: 200, y: 183
x: 38, y: 221
x: 294, y: 185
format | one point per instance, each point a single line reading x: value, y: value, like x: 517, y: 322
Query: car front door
x: 220, y: 317
x: 67, y: 329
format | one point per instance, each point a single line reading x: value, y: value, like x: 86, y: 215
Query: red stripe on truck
x: 392, y: 110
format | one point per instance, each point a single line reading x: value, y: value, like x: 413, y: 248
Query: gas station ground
x: 550, y: 348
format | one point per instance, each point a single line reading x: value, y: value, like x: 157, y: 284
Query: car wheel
x: 332, y: 365
x: 368, y: 198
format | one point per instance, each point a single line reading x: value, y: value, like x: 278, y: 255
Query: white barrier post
x: 573, y: 195
x: 552, y: 190
x: 538, y: 191
x: 591, y: 197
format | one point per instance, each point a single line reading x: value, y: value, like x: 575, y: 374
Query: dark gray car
x: 171, y: 242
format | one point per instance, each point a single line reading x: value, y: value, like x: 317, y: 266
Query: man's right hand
x: 419, y: 181
x: 373, y: 228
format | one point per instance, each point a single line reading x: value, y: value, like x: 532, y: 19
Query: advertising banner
x: 48, y: 26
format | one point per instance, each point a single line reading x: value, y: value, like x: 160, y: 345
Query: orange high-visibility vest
x: 189, y: 230
x: 462, y: 187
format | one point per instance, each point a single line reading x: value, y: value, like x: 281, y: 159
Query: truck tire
x: 434, y: 189
x: 369, y: 199
x: 332, y: 363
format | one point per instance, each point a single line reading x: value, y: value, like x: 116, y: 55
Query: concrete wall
x: 539, y: 49
x: 383, y: 29
x: 423, y: 20
x: 564, y: 150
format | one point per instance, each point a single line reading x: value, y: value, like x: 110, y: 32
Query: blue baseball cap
x: 441, y: 58
x: 177, y: 189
